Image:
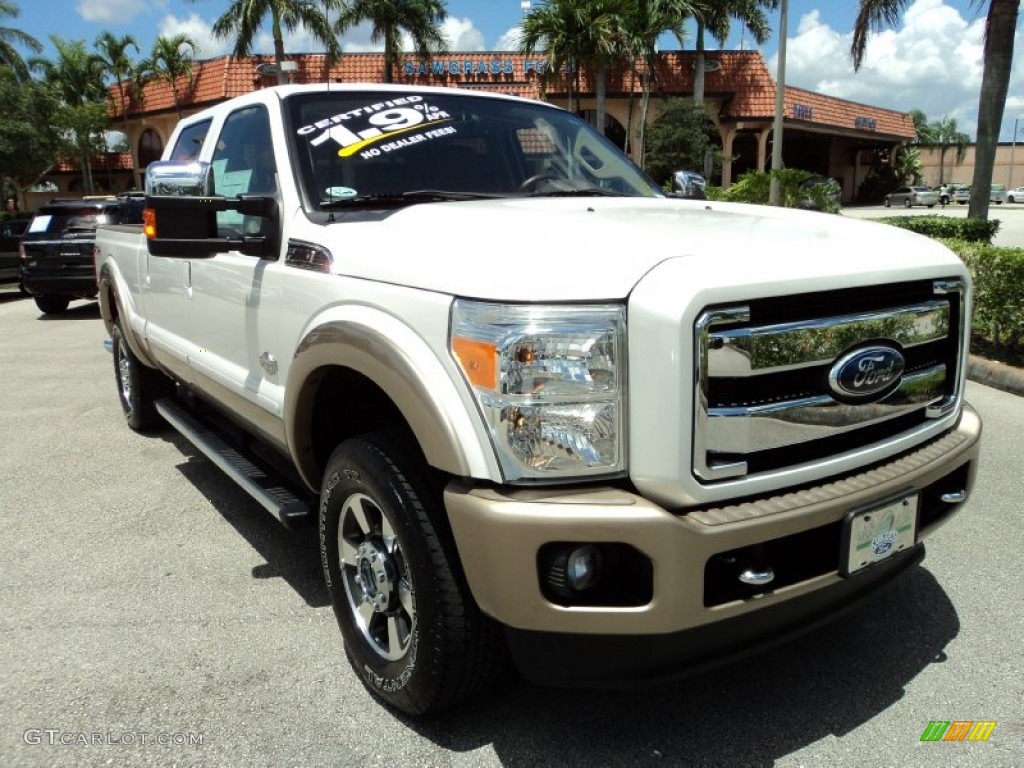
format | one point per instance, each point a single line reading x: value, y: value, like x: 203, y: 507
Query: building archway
x: 151, y: 147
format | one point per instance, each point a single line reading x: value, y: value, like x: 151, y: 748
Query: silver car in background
x: 911, y: 196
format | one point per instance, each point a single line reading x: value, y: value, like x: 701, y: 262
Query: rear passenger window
x: 190, y: 142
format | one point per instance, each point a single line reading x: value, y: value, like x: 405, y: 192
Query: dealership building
x: 824, y: 135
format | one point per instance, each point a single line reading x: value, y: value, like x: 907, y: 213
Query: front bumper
x: 500, y: 533
x: 629, y: 661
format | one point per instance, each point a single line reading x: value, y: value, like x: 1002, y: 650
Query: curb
x: 996, y: 375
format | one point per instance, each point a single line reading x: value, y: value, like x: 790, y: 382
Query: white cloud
x: 357, y: 40
x: 510, y: 40
x: 201, y: 33
x: 297, y: 41
x: 462, y: 35
x: 208, y: 46
x: 111, y: 11
x: 932, y: 62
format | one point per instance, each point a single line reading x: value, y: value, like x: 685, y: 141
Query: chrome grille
x: 763, y: 400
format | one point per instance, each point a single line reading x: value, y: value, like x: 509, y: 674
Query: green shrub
x: 881, y: 181
x: 754, y: 187
x: 998, y: 275
x: 946, y: 228
x: 680, y: 139
x: 714, y: 193
x: 751, y: 187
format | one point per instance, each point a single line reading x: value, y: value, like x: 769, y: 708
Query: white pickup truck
x: 537, y: 409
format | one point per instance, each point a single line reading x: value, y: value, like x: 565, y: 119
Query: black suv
x: 56, y: 251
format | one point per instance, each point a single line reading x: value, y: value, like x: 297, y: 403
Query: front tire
x: 412, y: 631
x: 888, y: 202
x: 138, y: 385
x: 52, y: 305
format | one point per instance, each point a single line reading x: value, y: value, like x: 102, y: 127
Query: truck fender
x: 116, y: 302
x: 406, y: 369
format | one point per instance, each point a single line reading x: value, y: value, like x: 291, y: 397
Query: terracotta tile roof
x: 816, y: 108
x: 112, y: 161
x: 742, y: 81
x: 223, y: 78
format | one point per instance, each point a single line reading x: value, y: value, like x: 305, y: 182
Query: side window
x: 243, y: 164
x: 190, y: 142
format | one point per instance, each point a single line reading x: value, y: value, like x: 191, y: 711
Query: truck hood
x: 594, y: 249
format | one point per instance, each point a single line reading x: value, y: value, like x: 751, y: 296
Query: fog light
x: 583, y: 568
x: 576, y: 573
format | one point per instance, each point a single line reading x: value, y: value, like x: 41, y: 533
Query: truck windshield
x: 393, y: 148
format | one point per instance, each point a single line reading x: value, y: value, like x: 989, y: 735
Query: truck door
x: 228, y: 291
x: 166, y: 291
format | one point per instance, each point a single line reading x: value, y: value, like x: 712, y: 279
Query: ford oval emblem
x: 866, y: 371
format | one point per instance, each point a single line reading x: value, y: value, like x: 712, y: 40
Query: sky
x: 932, y: 61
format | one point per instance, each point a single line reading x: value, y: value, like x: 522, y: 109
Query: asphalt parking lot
x: 154, y: 615
x: 1010, y: 216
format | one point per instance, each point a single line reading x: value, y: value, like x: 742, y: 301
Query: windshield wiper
x: 412, y: 196
x: 587, y: 192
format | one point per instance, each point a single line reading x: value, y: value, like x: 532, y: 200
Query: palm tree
x: 1000, y: 27
x: 76, y: 80
x: 644, y: 23
x: 575, y: 34
x: 170, y: 59
x: 421, y: 19
x: 113, y: 55
x: 945, y: 134
x: 243, y: 19
x: 922, y: 130
x: 9, y: 37
x: 715, y: 17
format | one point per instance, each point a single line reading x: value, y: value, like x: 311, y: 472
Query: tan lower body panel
x: 499, y: 533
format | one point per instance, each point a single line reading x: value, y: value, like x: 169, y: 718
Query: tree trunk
x: 995, y: 81
x: 87, y: 181
x: 127, y: 135
x: 601, y: 86
x: 570, y: 81
x: 282, y: 78
x: 632, y: 103
x: 389, y: 54
x: 645, y: 101
x: 698, y: 68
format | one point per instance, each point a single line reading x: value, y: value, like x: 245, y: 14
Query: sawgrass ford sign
x: 480, y: 66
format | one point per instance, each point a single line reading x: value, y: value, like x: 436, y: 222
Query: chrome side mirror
x: 168, y: 179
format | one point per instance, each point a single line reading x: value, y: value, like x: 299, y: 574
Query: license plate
x: 872, y: 535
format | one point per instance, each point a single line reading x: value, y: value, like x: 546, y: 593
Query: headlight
x: 549, y: 381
